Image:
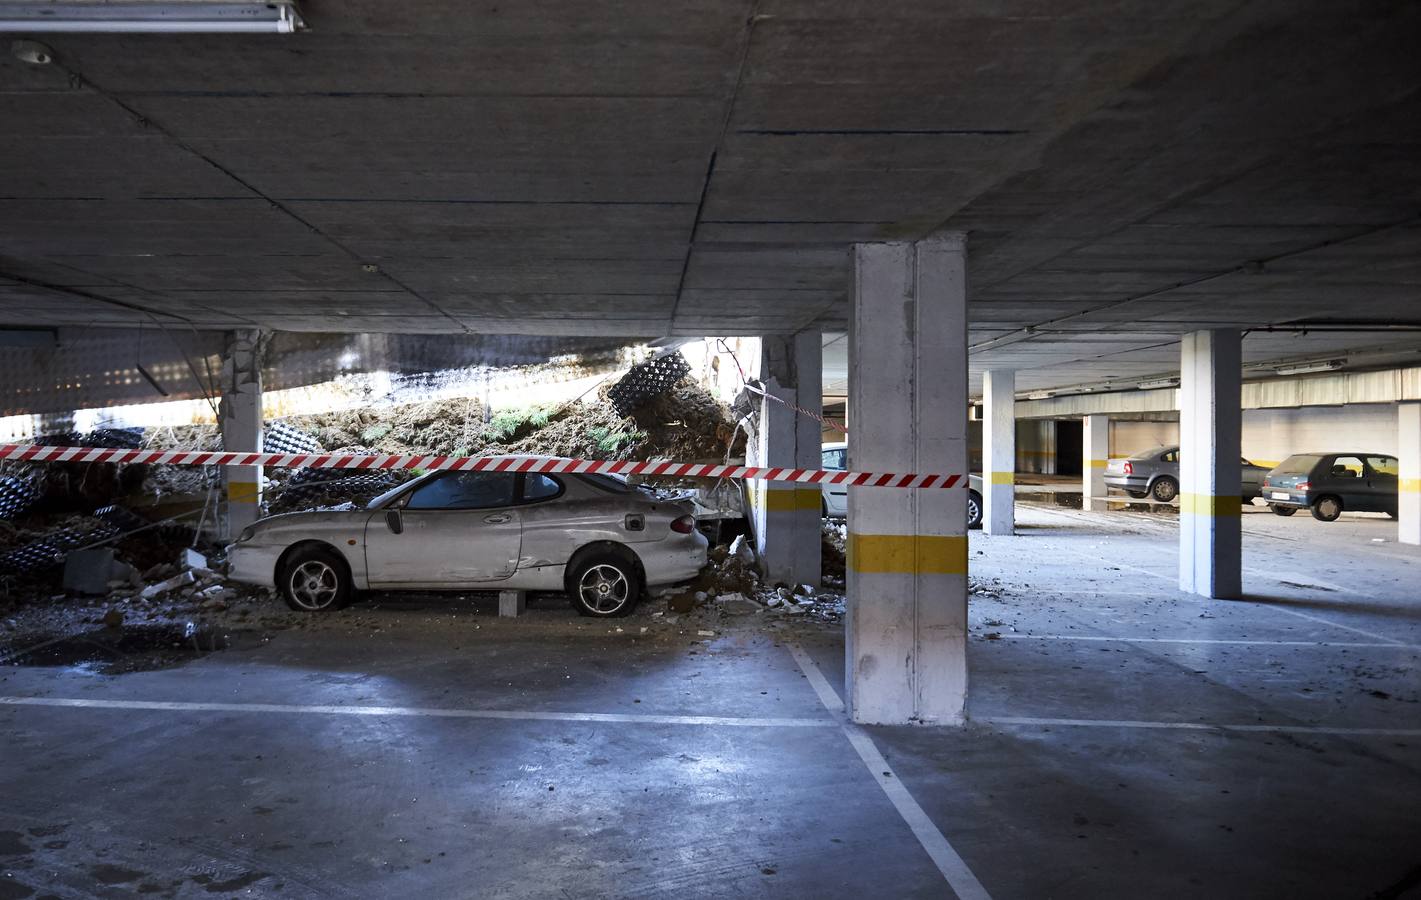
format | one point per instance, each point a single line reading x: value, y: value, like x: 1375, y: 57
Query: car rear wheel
x: 1282, y: 510
x: 604, y: 585
x: 1326, y: 509
x: 315, y: 579
x: 974, y: 509
x: 1165, y: 489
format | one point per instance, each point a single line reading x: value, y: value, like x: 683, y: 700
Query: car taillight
x: 1302, y: 486
x: 684, y: 525
x: 1129, y: 469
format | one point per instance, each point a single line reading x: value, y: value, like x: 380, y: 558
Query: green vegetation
x: 510, y: 424
x: 612, y: 440
x: 374, y: 433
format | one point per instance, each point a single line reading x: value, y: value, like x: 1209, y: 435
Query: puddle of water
x: 1056, y: 498
x: 107, y: 651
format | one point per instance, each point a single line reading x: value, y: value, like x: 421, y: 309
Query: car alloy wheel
x: 974, y: 510
x: 604, y: 589
x: 1165, y: 490
x: 314, y: 584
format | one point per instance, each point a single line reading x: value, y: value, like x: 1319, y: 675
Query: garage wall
x: 1128, y: 438
x: 1272, y: 435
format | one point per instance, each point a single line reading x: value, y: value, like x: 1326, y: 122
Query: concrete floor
x: 1126, y: 741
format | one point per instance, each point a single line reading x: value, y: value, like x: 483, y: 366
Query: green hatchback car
x: 1329, y: 483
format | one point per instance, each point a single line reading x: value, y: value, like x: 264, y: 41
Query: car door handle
x: 497, y: 518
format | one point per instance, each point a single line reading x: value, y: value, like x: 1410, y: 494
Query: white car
x: 836, y: 496
x: 593, y: 536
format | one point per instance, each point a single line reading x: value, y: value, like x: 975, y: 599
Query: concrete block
x: 512, y: 604
x: 89, y: 571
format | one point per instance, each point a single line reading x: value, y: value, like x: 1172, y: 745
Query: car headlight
x: 247, y: 534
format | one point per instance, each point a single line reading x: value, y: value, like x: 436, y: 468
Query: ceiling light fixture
x: 1327, y: 365
x: 143, y: 16
x: 1158, y: 383
x: 1040, y: 395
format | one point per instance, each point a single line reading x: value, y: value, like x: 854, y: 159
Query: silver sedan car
x: 593, y: 536
x: 1155, y: 473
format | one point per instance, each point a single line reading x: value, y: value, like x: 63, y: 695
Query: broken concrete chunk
x: 177, y: 581
x: 191, y: 559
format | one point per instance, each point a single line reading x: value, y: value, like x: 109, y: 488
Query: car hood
x: 313, y: 519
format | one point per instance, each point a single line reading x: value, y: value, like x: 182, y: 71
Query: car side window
x: 1383, y: 466
x: 1346, y: 467
x: 540, y: 487
x: 833, y: 459
x: 465, y: 490
x: 1170, y: 457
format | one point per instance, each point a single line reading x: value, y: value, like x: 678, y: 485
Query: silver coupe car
x: 593, y: 536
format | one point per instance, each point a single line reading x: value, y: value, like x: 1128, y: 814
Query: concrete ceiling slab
x: 1126, y: 171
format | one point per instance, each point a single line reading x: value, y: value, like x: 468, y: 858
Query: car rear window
x: 1152, y: 453
x: 610, y: 483
x: 1297, y: 465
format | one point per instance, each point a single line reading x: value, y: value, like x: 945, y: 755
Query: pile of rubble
x: 730, y: 585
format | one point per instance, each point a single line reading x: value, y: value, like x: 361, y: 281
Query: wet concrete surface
x: 235, y: 773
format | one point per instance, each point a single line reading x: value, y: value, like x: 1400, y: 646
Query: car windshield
x: 1297, y: 465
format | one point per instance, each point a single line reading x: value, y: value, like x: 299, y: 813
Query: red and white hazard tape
x: 30, y: 453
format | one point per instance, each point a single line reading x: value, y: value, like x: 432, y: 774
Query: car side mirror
x: 395, y: 521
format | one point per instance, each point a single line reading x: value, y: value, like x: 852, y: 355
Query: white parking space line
x: 959, y: 877
x: 1151, y: 640
x: 1361, y: 631
x: 1034, y: 722
x: 419, y: 712
x: 1292, y: 612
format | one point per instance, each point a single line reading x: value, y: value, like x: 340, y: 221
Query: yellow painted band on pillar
x: 1099, y: 463
x: 908, y: 554
x: 790, y: 499
x: 1003, y: 478
x: 1409, y: 485
x: 1209, y: 505
x: 242, y: 492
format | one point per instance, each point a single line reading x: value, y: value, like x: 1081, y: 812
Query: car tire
x: 1164, y: 489
x: 1326, y: 509
x: 315, y: 579
x: 1282, y: 510
x: 1138, y: 495
x: 604, y: 584
x: 974, y: 509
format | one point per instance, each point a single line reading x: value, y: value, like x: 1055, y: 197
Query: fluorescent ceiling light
x: 1158, y: 383
x: 142, y: 16
x: 1040, y: 395
x: 1327, y: 365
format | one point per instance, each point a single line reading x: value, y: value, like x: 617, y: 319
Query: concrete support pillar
x: 1408, y: 457
x: 999, y: 452
x: 240, y: 414
x: 787, y: 518
x: 1210, y: 476
x: 906, y: 630
x: 1095, y: 452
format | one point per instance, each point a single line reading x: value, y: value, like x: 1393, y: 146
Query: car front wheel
x: 974, y: 509
x: 604, y: 586
x: 1326, y: 509
x: 1282, y: 510
x: 315, y: 579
